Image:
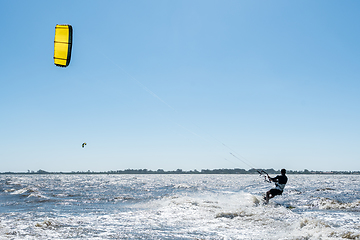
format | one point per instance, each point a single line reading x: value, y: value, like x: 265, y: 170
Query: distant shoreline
x: 180, y: 171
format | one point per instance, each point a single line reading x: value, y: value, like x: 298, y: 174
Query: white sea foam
x: 178, y: 207
x: 20, y: 191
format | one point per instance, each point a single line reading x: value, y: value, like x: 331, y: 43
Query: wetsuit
x: 280, y: 182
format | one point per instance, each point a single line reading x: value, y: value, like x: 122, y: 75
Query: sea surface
x: 177, y: 207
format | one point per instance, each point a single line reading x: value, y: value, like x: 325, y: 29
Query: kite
x: 62, y: 45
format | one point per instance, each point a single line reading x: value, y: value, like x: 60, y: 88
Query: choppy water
x: 177, y: 207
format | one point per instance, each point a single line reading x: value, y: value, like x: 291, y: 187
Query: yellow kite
x: 62, y: 45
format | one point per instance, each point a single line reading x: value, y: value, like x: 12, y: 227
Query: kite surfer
x: 280, y: 182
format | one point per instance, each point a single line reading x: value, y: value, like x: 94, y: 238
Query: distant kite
x: 83, y: 145
x: 62, y: 45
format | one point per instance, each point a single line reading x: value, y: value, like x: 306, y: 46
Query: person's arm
x: 275, y: 179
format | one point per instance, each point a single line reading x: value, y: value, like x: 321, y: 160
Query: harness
x: 279, y: 186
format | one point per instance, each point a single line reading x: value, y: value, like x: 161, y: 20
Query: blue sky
x: 181, y: 84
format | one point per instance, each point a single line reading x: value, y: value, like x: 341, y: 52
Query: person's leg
x: 267, y: 197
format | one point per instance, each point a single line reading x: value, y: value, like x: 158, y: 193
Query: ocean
x: 166, y: 206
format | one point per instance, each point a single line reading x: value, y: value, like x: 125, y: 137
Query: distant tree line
x: 180, y: 171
